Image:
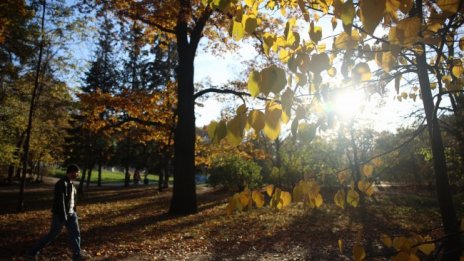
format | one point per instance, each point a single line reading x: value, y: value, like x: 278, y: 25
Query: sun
x: 348, y: 103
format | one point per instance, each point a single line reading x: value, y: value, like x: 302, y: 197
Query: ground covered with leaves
x: 131, y: 224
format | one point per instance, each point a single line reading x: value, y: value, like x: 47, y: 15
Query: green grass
x: 108, y: 176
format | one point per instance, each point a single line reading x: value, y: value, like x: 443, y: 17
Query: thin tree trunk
x: 99, y: 182
x: 127, y: 177
x: 80, y: 189
x: 161, y: 178
x: 31, y: 112
x: 11, y: 168
x: 445, y: 200
x: 89, y: 175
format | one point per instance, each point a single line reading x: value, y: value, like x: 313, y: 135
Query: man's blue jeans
x: 72, y: 225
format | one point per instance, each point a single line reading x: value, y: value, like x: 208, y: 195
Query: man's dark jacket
x: 62, y: 198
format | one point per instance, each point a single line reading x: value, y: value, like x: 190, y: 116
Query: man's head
x: 72, y: 172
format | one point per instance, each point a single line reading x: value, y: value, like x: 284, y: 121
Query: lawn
x: 131, y: 224
x: 108, y: 176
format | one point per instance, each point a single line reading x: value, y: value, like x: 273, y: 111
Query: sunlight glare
x: 348, y: 103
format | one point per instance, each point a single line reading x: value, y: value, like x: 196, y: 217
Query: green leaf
x: 254, y: 81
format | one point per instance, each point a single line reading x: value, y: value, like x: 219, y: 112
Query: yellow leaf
x: 340, y: 198
x: 371, y: 14
x: 406, y: 6
x: 340, y: 246
x: 237, y: 31
x: 387, y: 61
x: 427, y: 248
x: 458, y: 69
x: 353, y: 198
x: 315, y: 33
x: 273, y: 79
x: 272, y: 115
x: 345, y: 41
x: 258, y: 198
x: 402, y: 256
x: 244, y: 198
x: 287, y: 99
x: 342, y: 176
x: 286, y: 198
x: 401, y: 243
x: 253, y: 83
x: 332, y: 72
x: 249, y: 3
x: 358, y: 253
x: 367, y: 170
x: 218, y: 131
x: 318, y: 200
x: 212, y: 129
x: 347, y: 15
x: 268, y: 42
x: 386, y: 240
x: 319, y: 63
x: 249, y: 23
x: 361, y: 72
x: 449, y: 7
x: 269, y: 190
x: 256, y: 120
x: 235, y: 131
x: 406, y: 32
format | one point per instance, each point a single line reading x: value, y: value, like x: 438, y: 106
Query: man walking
x: 64, y: 214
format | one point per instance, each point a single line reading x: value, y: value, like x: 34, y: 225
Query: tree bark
x: 126, y: 177
x: 35, y: 92
x: 89, y: 175
x: 184, y: 199
x: 445, y: 199
x: 80, y: 189
x: 99, y: 174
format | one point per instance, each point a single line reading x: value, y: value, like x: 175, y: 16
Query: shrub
x: 234, y: 173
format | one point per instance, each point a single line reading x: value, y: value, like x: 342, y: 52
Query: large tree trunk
x: 445, y: 200
x: 184, y: 199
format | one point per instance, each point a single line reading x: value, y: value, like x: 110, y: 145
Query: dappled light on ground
x: 132, y: 224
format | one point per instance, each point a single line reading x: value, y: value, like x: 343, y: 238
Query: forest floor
x: 131, y: 224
